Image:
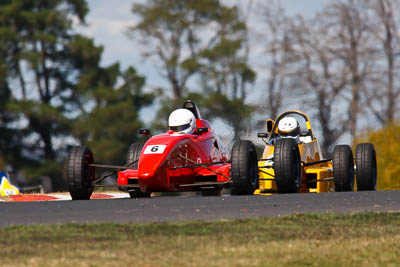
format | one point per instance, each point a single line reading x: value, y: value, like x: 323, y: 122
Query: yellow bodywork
x: 315, y: 178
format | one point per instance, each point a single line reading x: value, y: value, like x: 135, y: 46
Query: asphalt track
x: 158, y: 209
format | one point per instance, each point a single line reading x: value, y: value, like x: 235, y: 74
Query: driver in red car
x: 182, y: 121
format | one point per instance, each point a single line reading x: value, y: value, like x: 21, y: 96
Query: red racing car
x: 188, y: 157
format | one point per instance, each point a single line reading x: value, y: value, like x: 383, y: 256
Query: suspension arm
x: 205, y: 167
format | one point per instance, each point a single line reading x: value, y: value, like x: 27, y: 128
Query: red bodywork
x: 162, y: 153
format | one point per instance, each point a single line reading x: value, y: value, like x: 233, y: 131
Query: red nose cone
x: 154, y: 160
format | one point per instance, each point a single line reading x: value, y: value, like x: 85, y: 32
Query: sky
x: 108, y: 21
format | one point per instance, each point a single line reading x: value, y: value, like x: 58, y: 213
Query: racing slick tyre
x: 132, y: 158
x: 244, y: 168
x: 133, y: 155
x: 79, y: 175
x: 287, y: 165
x: 343, y: 168
x: 366, y: 170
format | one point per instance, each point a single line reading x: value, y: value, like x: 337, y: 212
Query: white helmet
x: 288, y: 126
x: 182, y: 121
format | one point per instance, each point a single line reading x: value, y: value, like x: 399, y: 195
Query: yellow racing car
x: 292, y: 160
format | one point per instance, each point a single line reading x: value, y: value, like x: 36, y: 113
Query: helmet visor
x: 179, y: 128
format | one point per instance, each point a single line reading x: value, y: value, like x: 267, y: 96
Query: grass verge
x: 324, y: 240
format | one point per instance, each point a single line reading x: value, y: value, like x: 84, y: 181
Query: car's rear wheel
x: 343, y: 168
x: 287, y: 165
x: 244, y: 169
x: 132, y: 159
x: 366, y: 170
x: 79, y: 174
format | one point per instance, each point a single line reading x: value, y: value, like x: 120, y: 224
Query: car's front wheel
x: 78, y: 172
x: 287, y: 165
x: 366, y: 170
x: 244, y: 168
x: 343, y: 168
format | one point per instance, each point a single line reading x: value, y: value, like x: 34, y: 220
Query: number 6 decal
x: 154, y: 149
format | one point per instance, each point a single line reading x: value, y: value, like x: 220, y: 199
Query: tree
x: 55, y: 88
x: 349, y: 22
x: 112, y: 123
x: 226, y: 74
x: 184, y: 37
x: 275, y: 35
x: 35, y: 37
x: 10, y: 148
x: 321, y: 75
x: 337, y: 56
x: 171, y: 31
x: 225, y: 80
x: 383, y: 99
